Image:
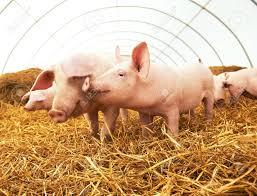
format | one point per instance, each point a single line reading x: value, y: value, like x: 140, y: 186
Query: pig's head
x: 68, y: 95
x: 120, y: 82
x: 221, y: 89
x: 38, y: 100
x: 63, y: 99
x: 72, y: 79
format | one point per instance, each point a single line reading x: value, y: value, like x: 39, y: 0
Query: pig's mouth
x: 78, y: 110
x: 100, y: 91
x: 104, y: 91
x: 29, y: 109
x: 220, y: 103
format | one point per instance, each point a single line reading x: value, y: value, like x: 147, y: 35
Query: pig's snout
x: 220, y: 102
x: 28, y: 108
x: 57, y: 116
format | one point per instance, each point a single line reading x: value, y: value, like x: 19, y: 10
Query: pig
x: 82, y: 106
x: 242, y: 82
x: 69, y: 99
x: 39, y: 99
x: 157, y: 89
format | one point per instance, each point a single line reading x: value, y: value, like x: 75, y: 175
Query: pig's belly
x: 155, y: 111
x: 190, y: 103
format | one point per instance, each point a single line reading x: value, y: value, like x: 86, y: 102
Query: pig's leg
x: 146, y: 120
x: 124, y: 114
x: 208, y: 102
x: 172, y: 120
x: 94, y: 124
x: 110, y: 116
x: 192, y: 112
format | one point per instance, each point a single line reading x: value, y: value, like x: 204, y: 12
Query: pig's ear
x: 39, y: 97
x: 141, y: 59
x: 86, y: 84
x: 44, y: 80
x: 25, y: 97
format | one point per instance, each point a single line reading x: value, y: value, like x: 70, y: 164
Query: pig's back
x: 194, y: 81
x: 242, y: 76
x: 199, y: 74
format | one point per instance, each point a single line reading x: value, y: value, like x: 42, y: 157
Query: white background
x: 36, y: 33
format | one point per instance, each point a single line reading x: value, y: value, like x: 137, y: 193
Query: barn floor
x: 38, y: 156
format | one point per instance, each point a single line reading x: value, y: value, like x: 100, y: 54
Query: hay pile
x: 14, y: 85
x: 39, y: 157
x: 216, y: 70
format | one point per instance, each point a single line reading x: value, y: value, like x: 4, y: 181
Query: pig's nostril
x: 57, y: 116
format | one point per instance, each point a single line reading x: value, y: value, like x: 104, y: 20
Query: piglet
x: 39, y: 99
x: 72, y: 77
x: 242, y: 82
x: 155, y: 89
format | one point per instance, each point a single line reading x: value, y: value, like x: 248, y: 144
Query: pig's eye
x: 121, y: 74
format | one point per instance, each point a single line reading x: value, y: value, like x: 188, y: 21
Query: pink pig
x: 157, y: 89
x: 242, y: 82
x: 69, y: 99
x: 39, y: 99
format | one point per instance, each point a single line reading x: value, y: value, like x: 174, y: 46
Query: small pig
x: 242, y: 82
x: 39, y: 99
x: 157, y: 89
x: 71, y: 76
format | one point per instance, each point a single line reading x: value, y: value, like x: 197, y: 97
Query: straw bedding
x: 38, y: 156
x: 220, y: 69
x: 14, y: 85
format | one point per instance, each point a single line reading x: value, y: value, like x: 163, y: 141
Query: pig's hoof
x: 209, y: 117
x: 107, y: 139
x: 173, y: 133
x: 95, y: 135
